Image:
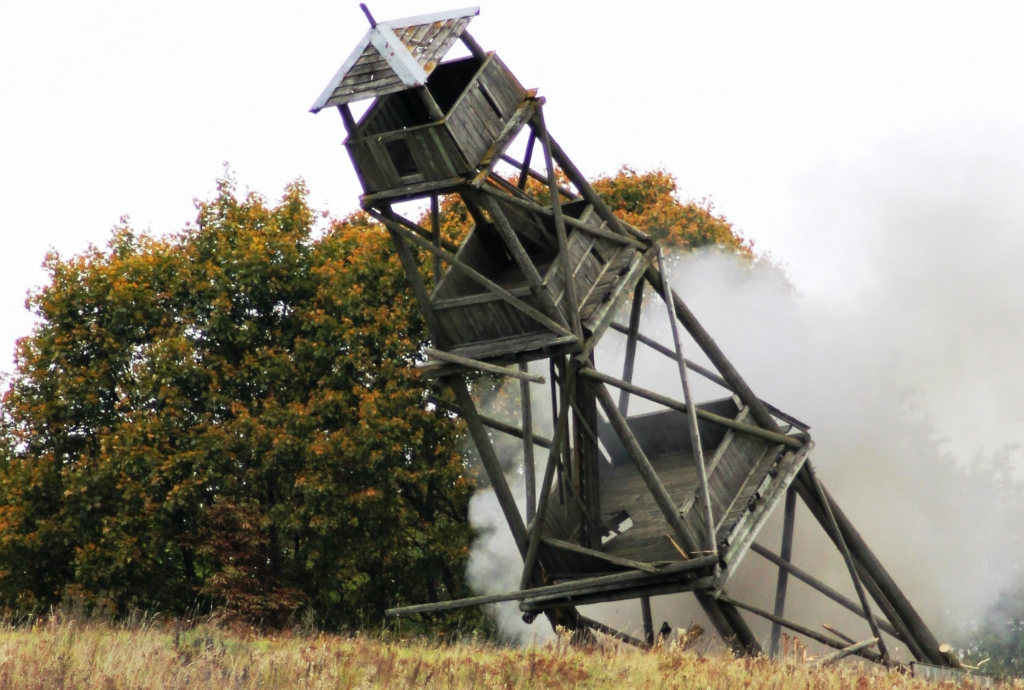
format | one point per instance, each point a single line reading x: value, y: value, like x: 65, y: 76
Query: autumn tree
x: 231, y: 416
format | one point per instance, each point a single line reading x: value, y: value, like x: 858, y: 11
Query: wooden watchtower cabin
x: 624, y: 507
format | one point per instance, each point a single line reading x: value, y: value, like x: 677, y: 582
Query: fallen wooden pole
x: 612, y: 632
x: 655, y: 590
x: 844, y: 652
x: 797, y: 628
x: 618, y: 579
x: 703, y: 414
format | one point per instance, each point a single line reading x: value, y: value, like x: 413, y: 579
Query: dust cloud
x: 905, y: 359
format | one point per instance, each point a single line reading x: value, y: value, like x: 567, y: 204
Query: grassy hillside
x: 72, y: 654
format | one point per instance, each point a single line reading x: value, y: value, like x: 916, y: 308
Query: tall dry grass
x: 70, y: 653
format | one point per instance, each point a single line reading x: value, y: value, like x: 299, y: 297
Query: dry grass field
x: 73, y: 654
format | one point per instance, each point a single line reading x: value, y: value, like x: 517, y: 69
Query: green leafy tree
x: 230, y: 416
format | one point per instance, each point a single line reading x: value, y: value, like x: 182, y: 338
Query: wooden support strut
x: 529, y: 469
x: 706, y: 373
x: 504, y: 294
x: 527, y: 157
x: 435, y: 227
x: 630, y: 359
x: 691, y: 416
x: 702, y: 413
x: 492, y: 423
x: 521, y: 374
x: 806, y: 632
x: 786, y: 553
x: 530, y: 172
x: 885, y: 591
x: 854, y: 575
x: 563, y: 243
x: 648, y: 619
x: 710, y: 348
x: 522, y: 259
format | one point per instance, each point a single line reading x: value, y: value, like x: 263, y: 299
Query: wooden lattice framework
x: 694, y: 483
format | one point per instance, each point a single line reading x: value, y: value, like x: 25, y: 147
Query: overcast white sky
x: 789, y: 115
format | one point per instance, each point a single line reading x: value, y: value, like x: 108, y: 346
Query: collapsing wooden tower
x: 629, y: 507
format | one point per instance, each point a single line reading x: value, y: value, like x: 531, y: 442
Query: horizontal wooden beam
x: 703, y: 414
x: 633, y: 592
x: 612, y: 632
x: 530, y: 172
x: 483, y: 366
x: 619, y: 579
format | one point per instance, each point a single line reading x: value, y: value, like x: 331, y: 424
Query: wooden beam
x: 561, y: 431
x: 435, y: 227
x: 347, y: 119
x: 522, y: 259
x: 605, y: 313
x: 655, y: 590
x: 483, y: 366
x: 744, y: 634
x: 534, y: 207
x: 419, y: 290
x: 806, y: 632
x: 706, y: 373
x: 473, y: 274
x: 568, y: 194
x: 851, y: 566
x: 632, y: 333
x: 702, y: 413
x: 529, y: 470
x: 420, y: 230
x: 474, y: 47
x: 715, y: 354
x: 844, y: 652
x: 648, y: 619
x: 820, y: 586
x: 612, y: 632
x: 527, y: 158
x: 691, y: 415
x: 901, y: 614
x: 563, y: 242
x: 786, y: 553
x: 646, y: 471
x: 607, y: 557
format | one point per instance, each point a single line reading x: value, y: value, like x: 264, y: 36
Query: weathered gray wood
x: 612, y: 632
x: 841, y: 636
x: 643, y: 466
x: 491, y: 465
x: 632, y: 333
x: 851, y: 566
x: 419, y: 290
x: 529, y: 470
x: 624, y: 562
x: 527, y: 158
x: 691, y: 414
x: 844, y: 652
x: 806, y: 632
x: 568, y: 194
x: 435, y: 226
x: 596, y: 231
x: 473, y: 46
x: 520, y: 256
x: 786, y: 553
x: 648, y: 619
x: 814, y: 583
x: 563, y: 243
x: 744, y: 635
x: 703, y: 414
x: 599, y: 321
x: 656, y: 590
x: 524, y: 376
x: 480, y: 298
x: 561, y: 432
x: 472, y: 273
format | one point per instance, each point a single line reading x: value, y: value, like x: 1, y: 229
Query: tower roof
x: 395, y: 55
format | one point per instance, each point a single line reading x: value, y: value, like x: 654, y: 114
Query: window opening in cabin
x: 401, y: 156
x: 616, y: 525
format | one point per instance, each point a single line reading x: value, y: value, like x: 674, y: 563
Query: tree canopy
x: 230, y: 416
